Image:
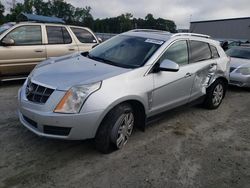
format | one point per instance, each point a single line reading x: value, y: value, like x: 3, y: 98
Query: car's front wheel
x: 215, y: 94
x: 116, y: 128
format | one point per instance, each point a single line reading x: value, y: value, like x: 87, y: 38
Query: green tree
x: 82, y: 16
x: 1, y: 13
x: 42, y: 8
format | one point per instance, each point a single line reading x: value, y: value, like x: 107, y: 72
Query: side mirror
x: 100, y: 40
x: 168, y: 65
x: 8, y: 42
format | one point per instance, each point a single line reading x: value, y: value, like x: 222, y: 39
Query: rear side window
x: 214, y: 51
x: 83, y: 35
x: 177, y: 52
x: 199, y: 51
x: 58, y: 35
x: 26, y: 35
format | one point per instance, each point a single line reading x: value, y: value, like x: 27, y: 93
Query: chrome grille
x: 37, y: 93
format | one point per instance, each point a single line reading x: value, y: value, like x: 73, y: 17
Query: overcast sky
x: 180, y: 11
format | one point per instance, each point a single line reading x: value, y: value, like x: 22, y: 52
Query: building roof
x: 229, y: 19
x: 39, y: 18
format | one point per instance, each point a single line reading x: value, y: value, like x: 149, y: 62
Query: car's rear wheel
x: 116, y: 128
x: 215, y: 94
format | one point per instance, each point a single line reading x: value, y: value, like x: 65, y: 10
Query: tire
x: 115, y: 129
x: 215, y: 94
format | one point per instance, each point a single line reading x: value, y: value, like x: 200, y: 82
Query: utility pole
x: 13, y: 4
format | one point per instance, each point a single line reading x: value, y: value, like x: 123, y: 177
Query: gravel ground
x: 188, y: 147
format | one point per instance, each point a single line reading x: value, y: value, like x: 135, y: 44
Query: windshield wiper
x: 103, y: 60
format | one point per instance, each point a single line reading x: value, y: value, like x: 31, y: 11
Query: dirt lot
x: 189, y: 147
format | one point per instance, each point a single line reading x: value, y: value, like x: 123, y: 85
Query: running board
x: 12, y: 79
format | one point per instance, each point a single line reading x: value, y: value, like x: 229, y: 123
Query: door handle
x: 71, y: 49
x: 39, y: 50
x: 188, y: 75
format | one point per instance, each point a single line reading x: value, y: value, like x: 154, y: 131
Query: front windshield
x: 125, y: 51
x: 243, y: 53
x: 4, y: 27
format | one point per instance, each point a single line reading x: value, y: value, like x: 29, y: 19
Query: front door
x: 25, y: 53
x: 172, y: 89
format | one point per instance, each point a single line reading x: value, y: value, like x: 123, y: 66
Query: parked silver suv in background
x: 105, y: 93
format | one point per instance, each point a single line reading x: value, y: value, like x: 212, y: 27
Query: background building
x: 235, y: 28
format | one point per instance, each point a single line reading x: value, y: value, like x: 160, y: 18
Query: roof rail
x: 150, y: 30
x: 190, y: 34
x: 24, y: 17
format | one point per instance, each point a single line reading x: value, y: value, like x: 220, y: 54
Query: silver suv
x: 119, y: 84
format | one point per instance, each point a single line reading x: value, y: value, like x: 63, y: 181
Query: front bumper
x: 41, y: 120
x: 239, y: 80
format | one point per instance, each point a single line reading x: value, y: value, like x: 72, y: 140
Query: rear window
x: 199, y: 51
x: 214, y: 51
x: 83, y: 35
x: 58, y: 35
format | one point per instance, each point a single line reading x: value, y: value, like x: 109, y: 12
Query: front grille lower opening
x: 60, y: 131
x: 30, y: 121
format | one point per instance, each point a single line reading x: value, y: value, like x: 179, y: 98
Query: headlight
x: 243, y: 70
x: 75, y: 97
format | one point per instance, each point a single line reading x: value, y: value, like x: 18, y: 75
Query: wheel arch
x: 137, y: 105
x: 225, y: 81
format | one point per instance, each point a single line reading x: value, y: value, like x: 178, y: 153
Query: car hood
x: 64, y: 72
x: 236, y: 62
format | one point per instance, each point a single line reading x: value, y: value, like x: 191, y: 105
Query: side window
x: 214, y: 51
x: 26, y: 35
x: 58, y: 35
x: 178, y: 53
x: 199, y: 51
x: 83, y: 35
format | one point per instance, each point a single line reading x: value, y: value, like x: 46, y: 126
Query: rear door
x: 59, y: 42
x: 25, y: 53
x: 203, y: 64
x: 85, y: 39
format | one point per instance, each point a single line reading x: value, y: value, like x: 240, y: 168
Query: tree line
x: 82, y: 16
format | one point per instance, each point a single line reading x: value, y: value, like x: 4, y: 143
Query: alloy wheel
x: 125, y: 124
x: 218, y: 94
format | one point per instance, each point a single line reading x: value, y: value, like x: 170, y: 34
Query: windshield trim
x: 236, y: 53
x: 240, y: 57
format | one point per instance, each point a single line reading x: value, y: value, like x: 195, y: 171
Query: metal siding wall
x: 231, y: 29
